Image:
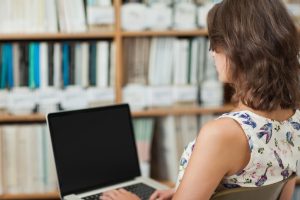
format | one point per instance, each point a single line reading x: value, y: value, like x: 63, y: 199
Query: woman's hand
x: 119, y: 194
x: 163, y: 194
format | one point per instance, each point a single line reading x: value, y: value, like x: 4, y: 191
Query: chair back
x: 268, y: 192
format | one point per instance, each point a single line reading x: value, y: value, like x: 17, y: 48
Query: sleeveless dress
x: 274, y: 145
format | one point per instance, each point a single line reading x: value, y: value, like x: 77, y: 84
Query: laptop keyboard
x: 141, y: 190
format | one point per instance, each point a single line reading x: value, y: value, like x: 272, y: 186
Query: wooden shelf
x: 197, y: 32
x: 6, y: 118
x: 196, y: 110
x: 153, y: 112
x: 53, y: 195
x: 56, y: 36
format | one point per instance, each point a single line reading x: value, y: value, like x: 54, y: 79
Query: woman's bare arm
x: 221, y: 149
x: 288, y: 190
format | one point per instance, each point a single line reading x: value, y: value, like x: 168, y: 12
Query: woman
x: 255, y: 46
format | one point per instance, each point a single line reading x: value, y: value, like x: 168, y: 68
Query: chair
x: 268, y: 192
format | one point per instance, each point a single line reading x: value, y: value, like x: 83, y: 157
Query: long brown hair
x: 261, y: 44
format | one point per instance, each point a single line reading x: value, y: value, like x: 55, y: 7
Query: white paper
x: 159, y: 96
x: 133, y: 16
x: 97, y: 15
x: 186, y: 93
x: 73, y: 98
x: 135, y: 95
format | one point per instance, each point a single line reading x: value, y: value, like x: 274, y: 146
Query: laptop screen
x: 93, y: 147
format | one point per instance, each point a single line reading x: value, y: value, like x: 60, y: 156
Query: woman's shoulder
x: 222, y: 128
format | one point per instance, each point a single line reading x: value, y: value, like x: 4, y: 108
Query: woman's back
x: 274, y: 147
x: 274, y: 150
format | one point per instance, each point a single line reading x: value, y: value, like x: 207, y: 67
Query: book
x: 102, y: 64
x: 27, y: 161
x: 9, y: 62
x: 16, y: 65
x: 57, y: 61
x: 44, y: 65
x: 168, y: 149
x: 71, y: 16
x: 72, y: 69
x: 66, y: 64
x: 51, y: 16
x: 50, y: 64
x: 50, y: 179
x: 78, y: 64
x: 100, y: 15
x: 32, y: 83
x: 85, y: 64
x: 36, y: 60
x: 4, y: 67
x: 92, y: 63
x: 10, y: 167
x: 24, y: 64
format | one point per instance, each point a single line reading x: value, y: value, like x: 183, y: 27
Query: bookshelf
x: 118, y: 35
x: 152, y: 112
x: 198, y: 32
x: 56, y: 36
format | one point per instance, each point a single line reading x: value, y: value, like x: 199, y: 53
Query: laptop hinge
x: 71, y: 197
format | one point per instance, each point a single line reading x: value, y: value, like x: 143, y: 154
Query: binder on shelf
x: 24, y: 64
x: 16, y: 65
x: 72, y: 70
x: 43, y: 65
x: 73, y: 97
x: 185, y: 16
x: 10, y: 159
x: 51, y: 16
x: 3, y: 100
x: 57, y: 71
x: 21, y: 101
x: 71, y: 16
x: 100, y: 96
x: 32, y: 83
x: 133, y: 16
x: 27, y: 166
x: 159, y: 96
x: 102, y: 64
x: 50, y: 64
x: 3, y: 67
x: 100, y: 15
x: 36, y: 60
x: 135, y: 95
x: 185, y: 94
x: 9, y: 62
x: 143, y: 129
x: 65, y: 64
x: 47, y: 99
x: 159, y: 16
x: 49, y: 167
x: 85, y: 64
x: 92, y: 64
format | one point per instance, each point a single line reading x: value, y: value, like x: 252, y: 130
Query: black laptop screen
x: 93, y: 147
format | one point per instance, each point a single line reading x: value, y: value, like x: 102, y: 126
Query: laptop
x: 95, y: 151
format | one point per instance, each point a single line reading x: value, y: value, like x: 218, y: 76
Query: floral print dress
x: 274, y: 145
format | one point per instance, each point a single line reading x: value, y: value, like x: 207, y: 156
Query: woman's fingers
x: 119, y: 194
x: 112, y: 194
